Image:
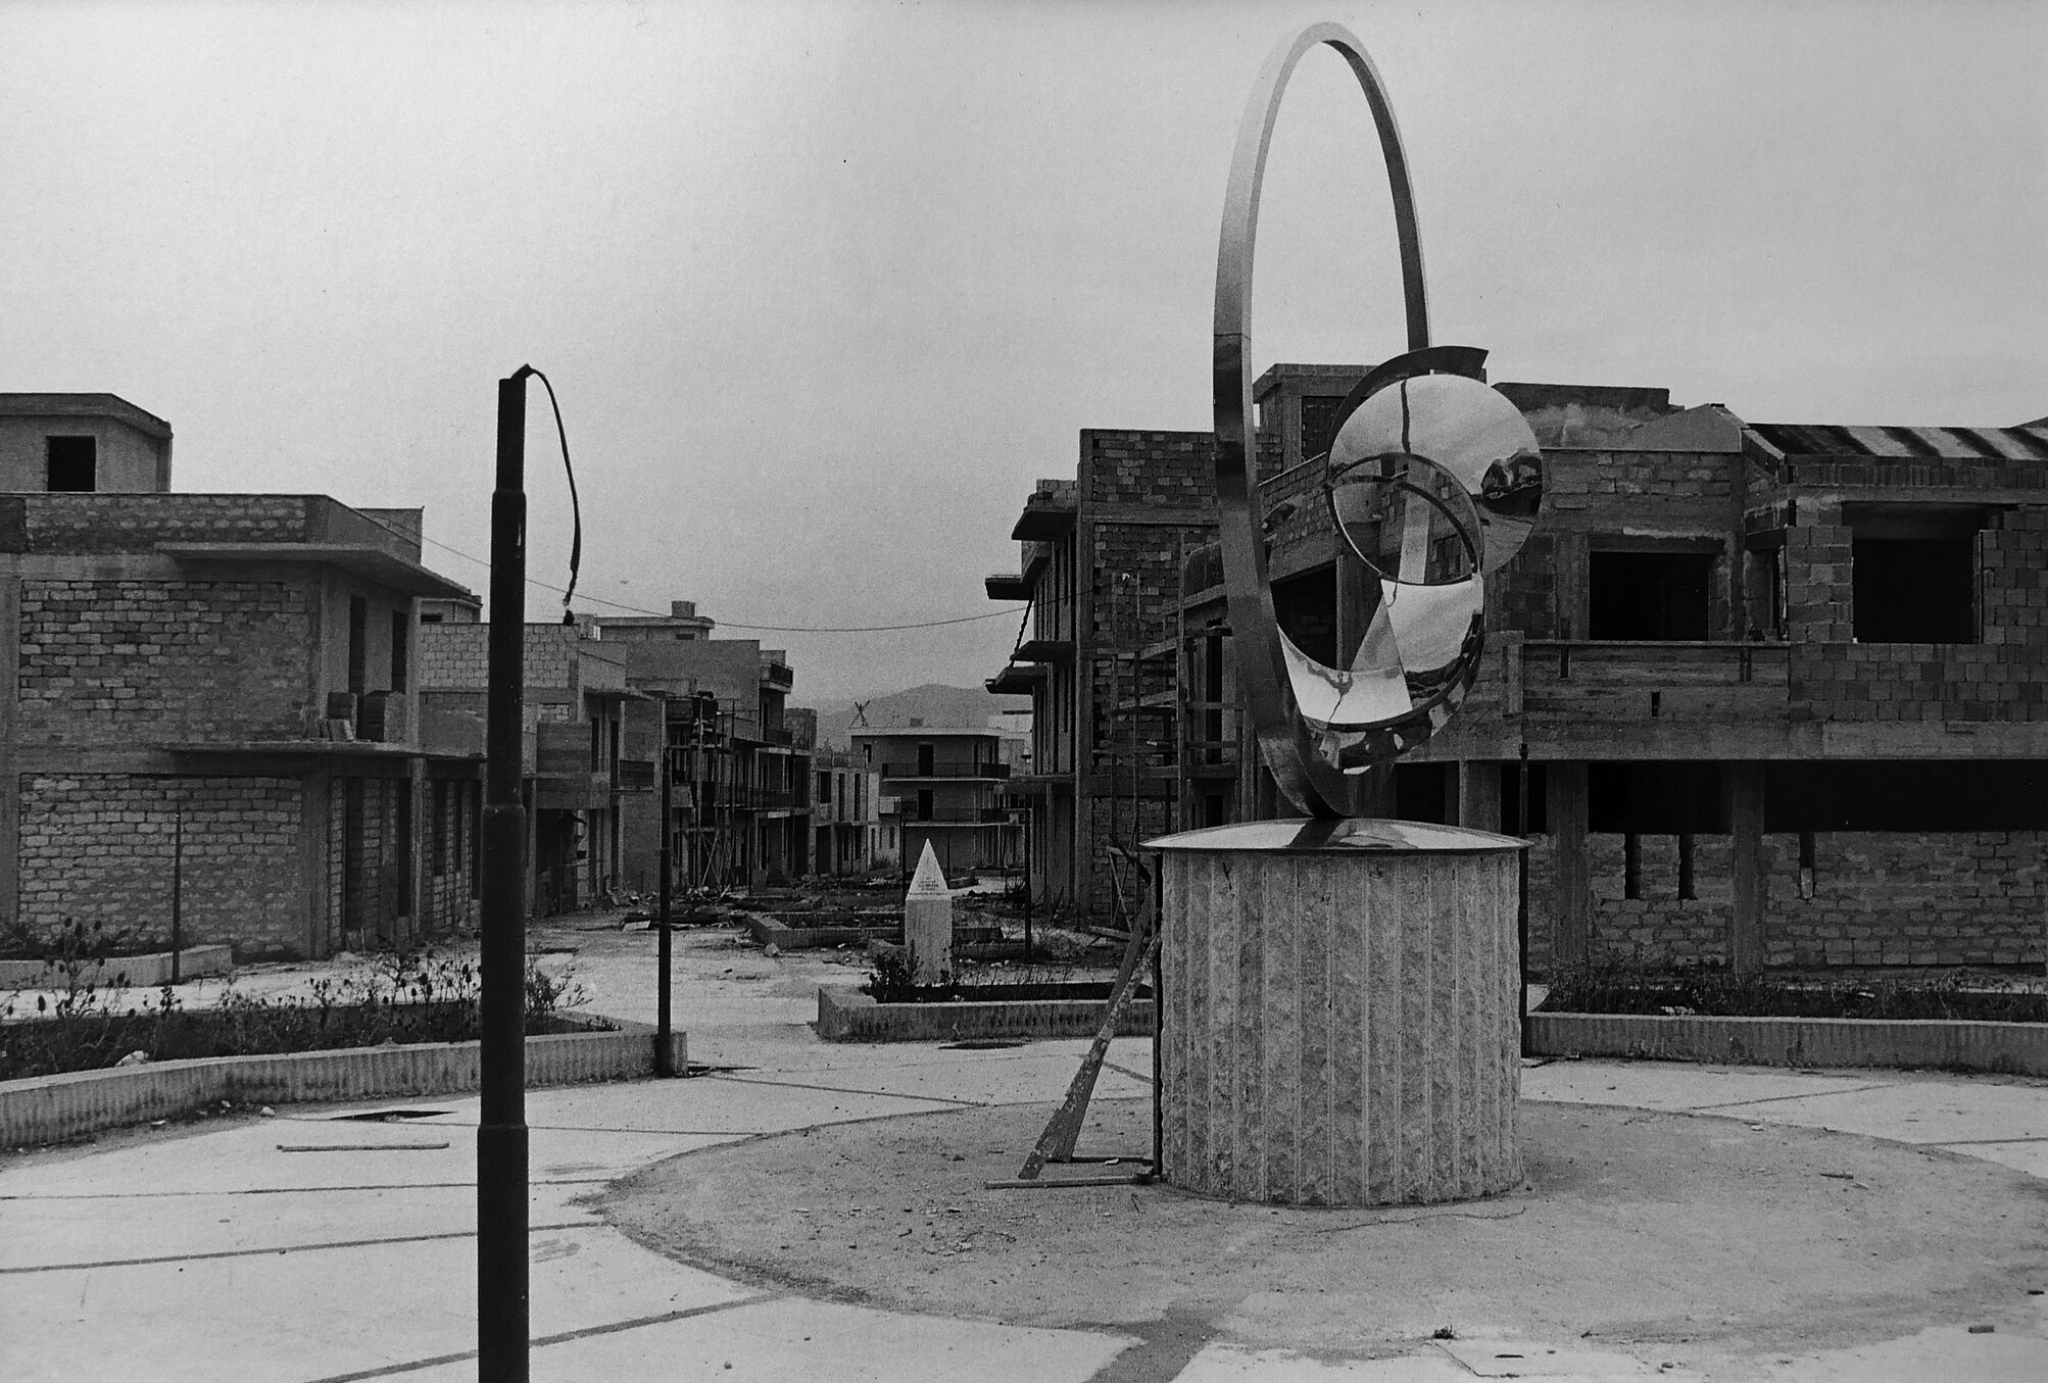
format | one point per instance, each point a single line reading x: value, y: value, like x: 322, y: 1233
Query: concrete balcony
x: 951, y: 772
x: 1682, y: 683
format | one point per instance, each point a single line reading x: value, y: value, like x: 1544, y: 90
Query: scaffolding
x: 701, y: 739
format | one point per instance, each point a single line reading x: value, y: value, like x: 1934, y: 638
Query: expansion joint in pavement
x: 273, y: 1252
x: 1802, y: 1095
x: 542, y: 1341
x: 469, y: 1185
x: 849, y: 1090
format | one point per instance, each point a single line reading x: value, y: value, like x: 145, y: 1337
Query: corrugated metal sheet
x: 1906, y: 443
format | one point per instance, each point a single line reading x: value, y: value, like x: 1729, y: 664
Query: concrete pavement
x: 311, y: 1246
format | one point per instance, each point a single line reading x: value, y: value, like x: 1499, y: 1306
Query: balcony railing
x: 1676, y: 681
x: 953, y: 816
x: 911, y: 770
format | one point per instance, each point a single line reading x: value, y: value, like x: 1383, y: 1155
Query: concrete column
x: 1572, y: 907
x: 1479, y: 794
x: 1750, y: 884
x: 10, y: 768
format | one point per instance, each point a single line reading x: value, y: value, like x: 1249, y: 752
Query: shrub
x: 413, y: 996
x: 1619, y: 985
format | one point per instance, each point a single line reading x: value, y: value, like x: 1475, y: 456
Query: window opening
x: 1650, y: 595
x: 1914, y: 590
x: 440, y: 853
x: 1420, y: 793
x: 358, y: 643
x: 72, y: 464
x: 401, y: 645
x: 1631, y: 865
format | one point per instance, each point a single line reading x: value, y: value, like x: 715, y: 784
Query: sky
x: 824, y: 288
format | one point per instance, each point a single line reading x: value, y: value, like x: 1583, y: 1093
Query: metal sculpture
x: 1433, y: 479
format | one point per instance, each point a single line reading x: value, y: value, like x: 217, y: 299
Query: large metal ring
x: 1305, y: 776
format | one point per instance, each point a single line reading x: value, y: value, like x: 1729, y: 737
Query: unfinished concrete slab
x: 1635, y: 1229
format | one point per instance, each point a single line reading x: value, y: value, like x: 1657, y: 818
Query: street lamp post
x: 501, y: 1152
x: 664, y: 1055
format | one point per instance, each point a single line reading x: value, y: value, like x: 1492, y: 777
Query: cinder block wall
x: 120, y: 662
x: 1876, y: 898
x: 1660, y: 924
x: 1896, y: 898
x: 98, y: 848
x: 1146, y: 501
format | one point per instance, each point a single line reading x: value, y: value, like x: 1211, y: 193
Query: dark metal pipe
x: 177, y: 891
x: 664, y: 1059
x: 501, y: 1154
x: 1522, y: 901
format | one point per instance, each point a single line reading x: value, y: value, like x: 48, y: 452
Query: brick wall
x: 1875, y: 898
x: 1935, y: 898
x: 1170, y: 469
x: 99, y: 847
x: 456, y: 657
x: 1660, y: 923
x: 137, y: 523
x: 446, y: 871
x: 115, y: 662
x: 1150, y: 470
x: 2004, y: 677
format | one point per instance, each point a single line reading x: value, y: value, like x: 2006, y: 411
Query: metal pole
x: 177, y: 888
x: 501, y: 1160
x: 664, y: 1057
x: 1522, y: 900
x: 1027, y: 886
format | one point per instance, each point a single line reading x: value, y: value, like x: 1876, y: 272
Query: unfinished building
x: 1767, y: 695
x: 208, y: 705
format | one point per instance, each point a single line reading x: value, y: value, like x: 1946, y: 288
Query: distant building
x: 217, y: 686
x: 578, y: 758
x: 942, y: 786
x: 81, y: 444
x: 744, y: 814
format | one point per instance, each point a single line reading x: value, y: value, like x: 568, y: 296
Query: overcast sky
x: 825, y: 287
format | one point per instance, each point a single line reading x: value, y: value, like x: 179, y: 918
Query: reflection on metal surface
x: 1433, y: 480
x: 1468, y: 430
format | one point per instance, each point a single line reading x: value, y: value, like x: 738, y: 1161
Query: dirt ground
x: 1633, y: 1227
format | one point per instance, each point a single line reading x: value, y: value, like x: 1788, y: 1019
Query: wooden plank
x: 1749, y: 880
x: 1568, y: 822
x: 1056, y: 1143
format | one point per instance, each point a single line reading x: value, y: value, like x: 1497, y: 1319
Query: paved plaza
x: 309, y: 1246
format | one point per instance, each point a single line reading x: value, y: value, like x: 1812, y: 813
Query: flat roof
x: 84, y: 406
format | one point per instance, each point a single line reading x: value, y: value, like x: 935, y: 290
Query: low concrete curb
x: 46, y: 1109
x: 140, y: 972
x: 773, y: 931
x: 2012, y: 1048
x: 845, y: 1017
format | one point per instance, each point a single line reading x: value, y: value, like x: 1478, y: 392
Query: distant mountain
x: 931, y: 704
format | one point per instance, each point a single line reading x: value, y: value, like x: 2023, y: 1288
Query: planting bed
x: 143, y: 971
x: 994, y: 1010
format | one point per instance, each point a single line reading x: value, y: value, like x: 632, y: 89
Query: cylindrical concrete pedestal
x: 1341, y: 1005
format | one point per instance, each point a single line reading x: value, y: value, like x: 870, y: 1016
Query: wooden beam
x: 1750, y: 891
x: 1571, y: 906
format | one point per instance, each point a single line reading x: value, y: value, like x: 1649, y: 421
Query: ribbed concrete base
x: 1341, y: 1014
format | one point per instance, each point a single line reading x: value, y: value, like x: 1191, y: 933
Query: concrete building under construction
x: 1773, y: 694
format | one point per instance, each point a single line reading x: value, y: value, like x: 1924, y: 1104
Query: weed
x: 1614, y: 984
x: 404, y: 997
